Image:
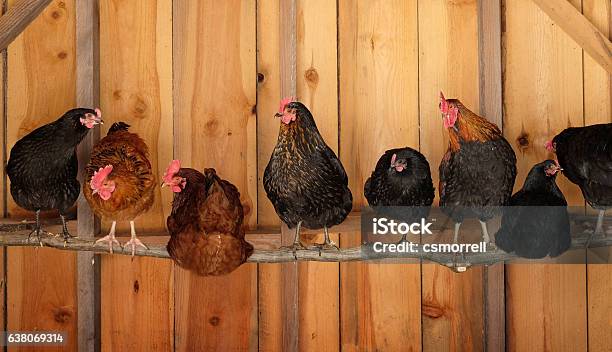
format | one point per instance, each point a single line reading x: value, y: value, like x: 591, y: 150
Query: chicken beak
x: 455, y: 128
x: 94, y: 191
x: 164, y: 184
x: 278, y: 115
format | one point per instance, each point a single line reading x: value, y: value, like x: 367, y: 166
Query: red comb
x: 393, y: 159
x: 443, y: 103
x: 284, y: 103
x: 549, y: 146
x: 98, y: 177
x: 98, y: 112
x: 173, y: 168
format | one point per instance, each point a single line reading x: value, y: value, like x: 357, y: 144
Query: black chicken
x: 537, y: 223
x: 478, y: 170
x: 43, y: 165
x: 401, y: 179
x: 585, y: 155
x: 304, y: 179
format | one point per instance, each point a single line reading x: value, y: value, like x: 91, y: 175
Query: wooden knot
x: 61, y: 5
x: 62, y: 55
x: 117, y: 94
x: 432, y: 311
x: 62, y: 315
x: 211, y: 125
x: 214, y: 321
x: 139, y: 106
x: 312, y: 77
x: 523, y: 140
x: 136, y: 286
x: 260, y: 77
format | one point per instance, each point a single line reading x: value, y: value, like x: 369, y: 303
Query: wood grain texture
x: 20, y: 15
x: 136, y: 87
x: 214, y: 49
x: 543, y: 95
x: 87, y: 94
x: 580, y: 29
x: 448, y: 47
x: 317, y: 88
x: 490, y: 87
x: 378, y: 80
x: 41, y: 288
x: 137, y: 304
x: 598, y: 109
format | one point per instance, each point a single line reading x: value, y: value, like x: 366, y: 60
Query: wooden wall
x: 199, y: 81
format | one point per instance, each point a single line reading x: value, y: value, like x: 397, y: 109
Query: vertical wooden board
x: 268, y: 96
x: 598, y: 109
x: 136, y: 87
x: 546, y: 307
x: 317, y: 88
x: 214, y: 98
x: 378, y: 80
x: 137, y: 304
x: 546, y: 304
x: 453, y: 316
x: 41, y: 86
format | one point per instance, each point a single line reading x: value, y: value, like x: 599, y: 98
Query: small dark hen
x: 121, y: 184
x: 43, y: 165
x: 304, y: 179
x: 402, y: 178
x: 206, y: 234
x: 585, y: 155
x: 478, y: 170
x: 536, y: 223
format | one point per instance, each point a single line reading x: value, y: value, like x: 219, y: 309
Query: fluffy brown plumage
x: 206, y: 234
x: 120, y: 183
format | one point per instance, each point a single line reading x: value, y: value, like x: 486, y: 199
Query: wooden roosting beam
x: 17, y: 18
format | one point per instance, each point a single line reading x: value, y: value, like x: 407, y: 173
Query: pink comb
x: 284, y: 103
x: 549, y: 146
x: 98, y: 178
x: 98, y: 112
x: 393, y: 159
x: 443, y: 103
x: 173, y: 168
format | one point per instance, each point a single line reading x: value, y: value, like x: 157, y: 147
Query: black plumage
x: 43, y: 165
x: 537, y: 223
x: 585, y: 155
x: 400, y: 186
x: 478, y: 170
x: 304, y: 179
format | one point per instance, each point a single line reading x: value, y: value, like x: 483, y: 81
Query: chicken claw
x: 328, y: 244
x: 134, y: 241
x: 110, y: 238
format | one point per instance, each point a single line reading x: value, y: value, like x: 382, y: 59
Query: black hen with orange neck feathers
x: 304, y: 179
x: 477, y: 172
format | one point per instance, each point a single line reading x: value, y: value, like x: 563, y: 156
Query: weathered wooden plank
x: 214, y: 98
x: 17, y: 18
x: 580, y: 29
x: 42, y: 294
x: 490, y: 88
x: 87, y: 94
x: 317, y: 87
x: 379, y: 111
x: 136, y: 87
x: 448, y: 40
x: 598, y: 109
x: 542, y: 95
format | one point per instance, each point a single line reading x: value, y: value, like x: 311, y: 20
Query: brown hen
x: 206, y: 234
x: 120, y: 183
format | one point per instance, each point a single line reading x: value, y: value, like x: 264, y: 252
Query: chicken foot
x: 297, y: 244
x: 485, y: 232
x: 65, y: 232
x: 599, y: 231
x: 38, y: 230
x: 110, y: 238
x: 134, y: 241
x: 327, y: 244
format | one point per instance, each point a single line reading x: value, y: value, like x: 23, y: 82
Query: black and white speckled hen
x: 304, y: 179
x: 402, y: 178
x: 585, y: 154
x: 43, y: 165
x: 478, y: 170
x: 536, y: 223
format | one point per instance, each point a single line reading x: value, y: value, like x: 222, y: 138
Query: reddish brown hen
x: 205, y: 226
x: 121, y: 185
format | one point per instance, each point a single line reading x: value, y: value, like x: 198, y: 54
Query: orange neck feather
x: 471, y: 128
